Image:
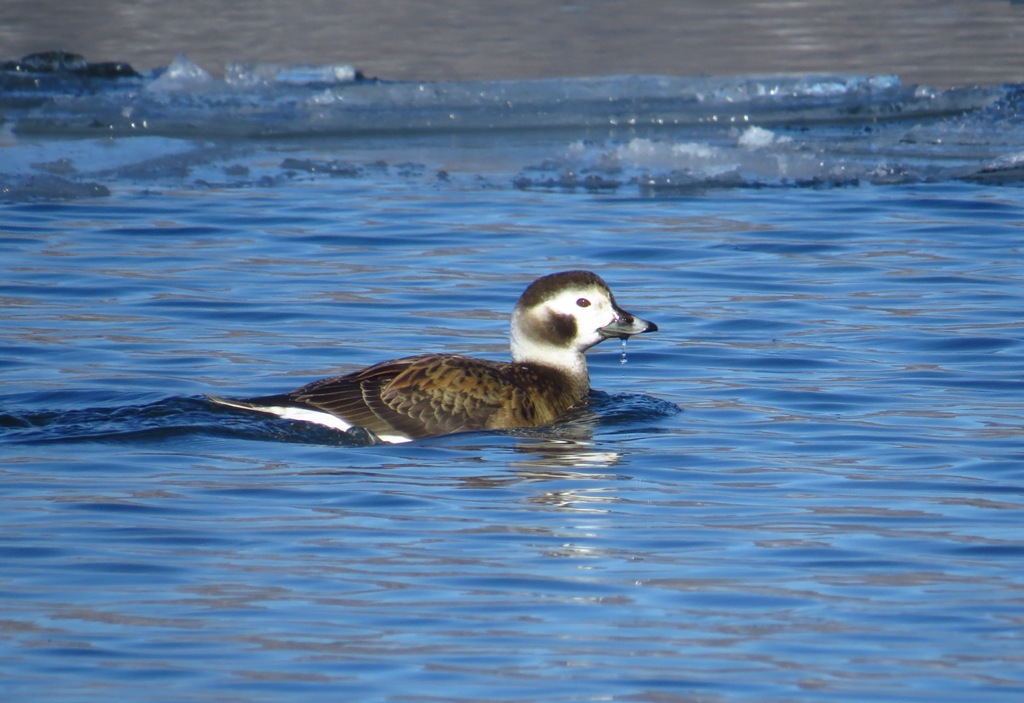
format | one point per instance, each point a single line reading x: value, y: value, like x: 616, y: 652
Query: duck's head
x: 560, y: 316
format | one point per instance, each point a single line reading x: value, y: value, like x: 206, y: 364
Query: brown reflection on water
x: 941, y: 43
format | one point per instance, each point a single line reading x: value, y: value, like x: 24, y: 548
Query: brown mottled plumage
x: 434, y: 394
x: 556, y: 319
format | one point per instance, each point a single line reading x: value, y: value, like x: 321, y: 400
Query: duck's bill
x: 626, y: 325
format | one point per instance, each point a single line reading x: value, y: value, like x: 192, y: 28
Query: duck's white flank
x: 305, y: 415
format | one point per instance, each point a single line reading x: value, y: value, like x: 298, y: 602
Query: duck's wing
x: 417, y: 397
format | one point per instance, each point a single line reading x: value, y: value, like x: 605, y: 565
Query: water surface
x: 806, y: 486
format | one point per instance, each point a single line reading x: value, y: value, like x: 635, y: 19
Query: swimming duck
x: 557, y: 318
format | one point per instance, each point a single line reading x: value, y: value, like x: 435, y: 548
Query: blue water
x: 809, y: 485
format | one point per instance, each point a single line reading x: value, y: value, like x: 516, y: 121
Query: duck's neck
x: 569, y: 364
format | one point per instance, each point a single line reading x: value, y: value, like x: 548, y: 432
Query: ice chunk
x: 53, y: 62
x: 650, y: 154
x: 256, y: 74
x: 756, y: 138
x: 49, y: 187
x: 181, y: 74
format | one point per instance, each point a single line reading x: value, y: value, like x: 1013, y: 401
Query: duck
x: 557, y: 318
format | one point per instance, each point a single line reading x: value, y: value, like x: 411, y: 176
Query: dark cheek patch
x: 563, y: 329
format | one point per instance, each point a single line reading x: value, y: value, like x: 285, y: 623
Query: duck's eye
x: 583, y: 303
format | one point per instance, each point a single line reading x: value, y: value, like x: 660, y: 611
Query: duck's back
x: 434, y: 394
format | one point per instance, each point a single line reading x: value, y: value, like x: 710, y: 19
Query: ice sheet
x: 652, y: 133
